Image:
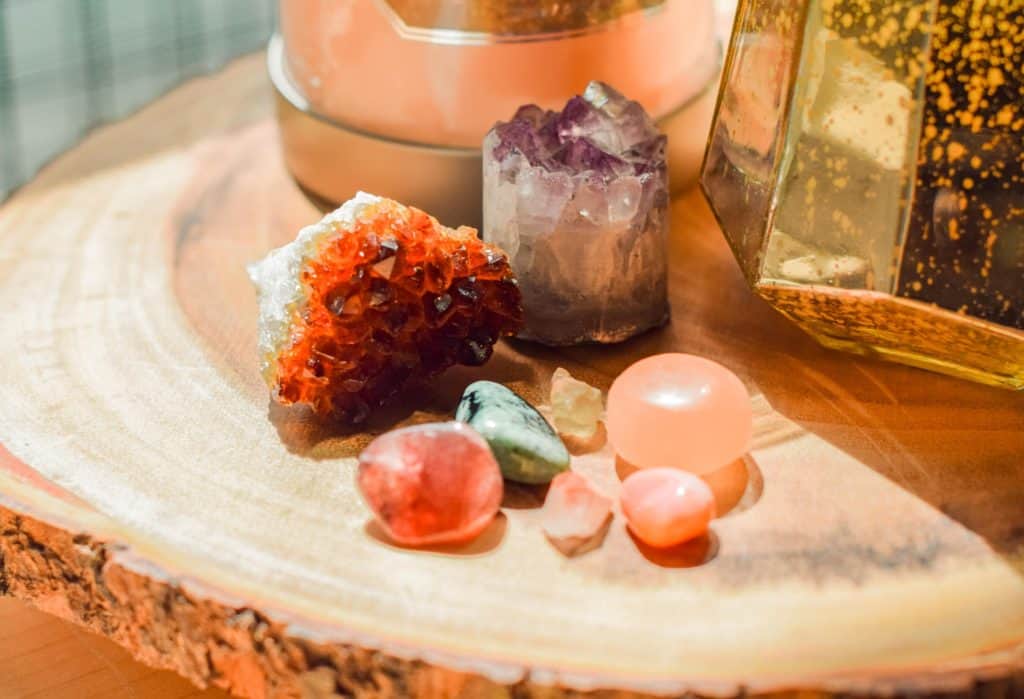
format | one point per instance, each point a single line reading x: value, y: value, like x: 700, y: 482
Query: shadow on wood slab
x: 524, y: 496
x: 488, y: 540
x: 505, y: 366
x: 304, y: 433
x: 596, y: 364
x: 918, y: 431
x: 736, y: 487
x: 689, y: 554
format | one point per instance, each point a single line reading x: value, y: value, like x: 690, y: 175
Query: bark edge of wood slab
x: 172, y: 622
x: 873, y: 543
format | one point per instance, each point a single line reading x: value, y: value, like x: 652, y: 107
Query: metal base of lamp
x: 332, y: 161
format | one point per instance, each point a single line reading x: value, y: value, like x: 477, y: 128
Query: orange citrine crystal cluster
x: 389, y: 296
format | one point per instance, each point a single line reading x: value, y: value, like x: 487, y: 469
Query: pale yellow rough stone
x: 576, y: 406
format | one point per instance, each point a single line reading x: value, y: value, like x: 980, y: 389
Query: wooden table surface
x: 872, y: 542
x: 42, y: 656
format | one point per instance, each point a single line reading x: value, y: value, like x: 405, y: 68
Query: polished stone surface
x: 665, y: 506
x: 431, y: 484
x: 524, y: 443
x: 681, y: 411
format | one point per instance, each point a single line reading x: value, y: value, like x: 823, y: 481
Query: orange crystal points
x: 395, y: 297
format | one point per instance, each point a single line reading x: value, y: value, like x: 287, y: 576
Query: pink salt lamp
x: 679, y: 410
x: 665, y: 506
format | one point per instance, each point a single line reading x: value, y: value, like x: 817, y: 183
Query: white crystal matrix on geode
x: 579, y: 200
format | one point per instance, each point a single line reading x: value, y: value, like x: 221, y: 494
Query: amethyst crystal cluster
x: 579, y: 200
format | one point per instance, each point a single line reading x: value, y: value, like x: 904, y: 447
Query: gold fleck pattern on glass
x: 965, y: 246
x: 884, y: 210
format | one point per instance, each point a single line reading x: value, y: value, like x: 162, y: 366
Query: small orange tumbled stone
x: 666, y: 506
x: 679, y: 410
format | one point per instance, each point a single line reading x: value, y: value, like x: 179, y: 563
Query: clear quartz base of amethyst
x: 579, y: 200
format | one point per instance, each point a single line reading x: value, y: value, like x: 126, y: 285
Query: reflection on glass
x: 867, y: 166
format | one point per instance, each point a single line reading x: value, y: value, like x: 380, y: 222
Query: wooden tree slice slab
x: 873, y: 540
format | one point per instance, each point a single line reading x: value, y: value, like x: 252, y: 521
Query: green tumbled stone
x: 527, y: 448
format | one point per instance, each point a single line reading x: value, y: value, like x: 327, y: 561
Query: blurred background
x: 69, y: 65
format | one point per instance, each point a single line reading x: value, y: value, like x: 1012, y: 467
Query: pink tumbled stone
x: 573, y: 508
x: 679, y: 410
x: 666, y: 506
x: 431, y: 484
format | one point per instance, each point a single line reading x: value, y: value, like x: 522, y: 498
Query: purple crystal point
x: 580, y: 154
x: 533, y: 114
x: 581, y: 120
x: 519, y: 136
x: 578, y: 198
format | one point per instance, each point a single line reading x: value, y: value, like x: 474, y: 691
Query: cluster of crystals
x: 391, y: 298
x: 614, y: 139
x: 443, y: 482
x: 578, y: 199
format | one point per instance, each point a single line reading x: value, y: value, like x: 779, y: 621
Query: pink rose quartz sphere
x: 681, y: 411
x: 431, y: 484
x: 666, y: 506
